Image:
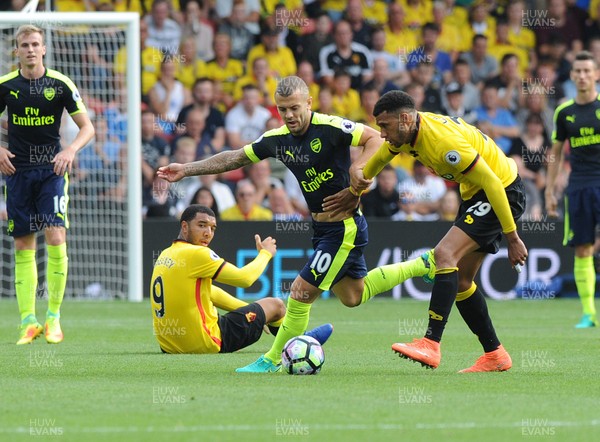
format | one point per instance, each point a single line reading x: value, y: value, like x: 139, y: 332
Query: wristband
x: 354, y: 192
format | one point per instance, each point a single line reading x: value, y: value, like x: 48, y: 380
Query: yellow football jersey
x: 184, y: 317
x: 449, y: 147
x: 458, y: 152
x: 184, y: 301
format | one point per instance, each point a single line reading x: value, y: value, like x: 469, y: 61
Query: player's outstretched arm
x: 219, y: 163
x: 247, y: 275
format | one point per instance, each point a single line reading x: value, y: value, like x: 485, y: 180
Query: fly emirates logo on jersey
x: 588, y: 137
x: 32, y: 117
x: 315, y: 179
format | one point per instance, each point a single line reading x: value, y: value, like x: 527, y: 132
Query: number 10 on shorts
x: 320, y: 263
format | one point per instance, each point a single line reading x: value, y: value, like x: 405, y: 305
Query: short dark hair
x: 584, y: 56
x: 430, y: 26
x: 250, y: 87
x: 394, y: 102
x: 478, y: 37
x: 202, y: 80
x: 341, y: 72
x: 369, y: 88
x: 507, y: 57
x: 190, y: 212
x: 461, y: 61
x: 490, y: 84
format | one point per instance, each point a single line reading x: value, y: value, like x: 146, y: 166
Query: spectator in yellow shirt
x: 418, y: 12
x: 224, y: 70
x: 518, y: 35
x: 151, y: 59
x: 265, y: 83
x: 307, y: 73
x: 399, y: 39
x: 502, y: 46
x: 189, y: 66
x: 280, y: 58
x: 246, y: 208
x: 450, y: 39
x: 346, y: 101
x: 368, y: 97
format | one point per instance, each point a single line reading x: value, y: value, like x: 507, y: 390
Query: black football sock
x: 273, y: 329
x: 442, y: 298
x: 473, y: 308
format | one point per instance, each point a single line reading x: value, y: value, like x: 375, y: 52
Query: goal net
x: 104, y: 238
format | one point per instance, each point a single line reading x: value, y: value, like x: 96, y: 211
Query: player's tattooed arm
x: 219, y: 163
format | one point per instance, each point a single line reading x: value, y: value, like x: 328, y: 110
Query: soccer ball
x: 302, y: 355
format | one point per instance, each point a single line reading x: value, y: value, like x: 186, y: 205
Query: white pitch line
x: 313, y: 427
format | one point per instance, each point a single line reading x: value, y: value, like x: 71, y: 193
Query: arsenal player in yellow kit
x: 493, y: 199
x: 184, y: 300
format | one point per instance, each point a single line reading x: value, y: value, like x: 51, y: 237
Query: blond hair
x: 185, y: 143
x: 26, y: 30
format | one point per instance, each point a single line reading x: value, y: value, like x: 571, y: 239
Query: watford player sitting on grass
x: 184, y: 301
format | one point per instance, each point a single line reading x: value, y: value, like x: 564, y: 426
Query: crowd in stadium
x: 210, y: 68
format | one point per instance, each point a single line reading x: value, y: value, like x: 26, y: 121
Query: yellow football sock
x: 56, y: 276
x: 384, y: 278
x: 585, y: 280
x: 26, y: 283
x: 294, y: 324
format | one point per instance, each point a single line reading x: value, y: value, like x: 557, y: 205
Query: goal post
x: 90, y: 244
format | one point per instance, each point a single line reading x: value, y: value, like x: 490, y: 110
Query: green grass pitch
x: 109, y: 381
